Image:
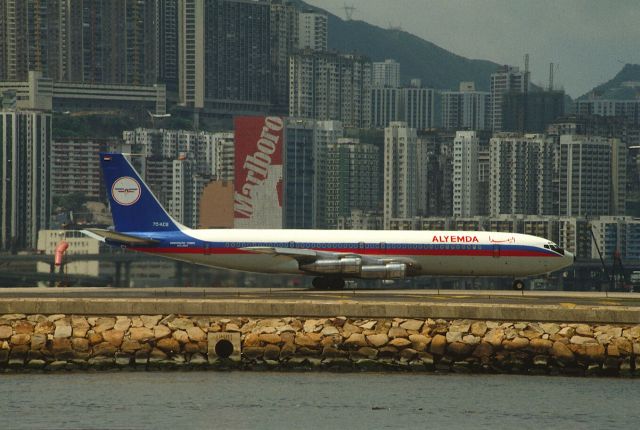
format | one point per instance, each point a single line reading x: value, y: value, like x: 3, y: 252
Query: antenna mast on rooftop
x: 348, y: 11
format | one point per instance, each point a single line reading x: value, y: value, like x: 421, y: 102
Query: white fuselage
x: 447, y: 253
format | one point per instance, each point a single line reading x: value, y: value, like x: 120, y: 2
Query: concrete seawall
x: 93, y: 340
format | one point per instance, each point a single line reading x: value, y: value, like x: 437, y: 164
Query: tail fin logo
x: 126, y: 191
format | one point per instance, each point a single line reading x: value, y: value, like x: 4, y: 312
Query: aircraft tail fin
x: 133, y: 206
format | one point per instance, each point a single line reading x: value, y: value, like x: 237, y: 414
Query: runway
x: 487, y: 297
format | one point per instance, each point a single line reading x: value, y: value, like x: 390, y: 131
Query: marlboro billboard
x: 258, y: 172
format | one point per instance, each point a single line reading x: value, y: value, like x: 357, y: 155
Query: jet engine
x: 387, y: 271
x: 346, y: 265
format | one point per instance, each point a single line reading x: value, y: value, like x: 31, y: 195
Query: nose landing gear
x: 328, y: 283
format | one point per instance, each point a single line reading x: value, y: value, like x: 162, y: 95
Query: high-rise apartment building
x: 531, y: 112
x: 386, y: 74
x: 465, y: 109
x: 414, y: 105
x: 521, y: 174
x: 504, y: 80
x: 352, y: 180
x: 75, y: 168
x: 312, y: 31
x: 330, y: 86
x: 187, y: 187
x: 628, y: 109
x: 299, y: 200
x: 191, y: 21
x: 592, y: 176
x: 284, y: 41
x: 400, y: 179
x: 466, y: 187
x: 25, y: 170
x: 219, y: 156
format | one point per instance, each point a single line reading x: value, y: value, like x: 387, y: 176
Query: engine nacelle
x: 387, y: 271
x: 347, y: 265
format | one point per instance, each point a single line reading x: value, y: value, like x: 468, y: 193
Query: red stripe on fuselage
x: 504, y: 252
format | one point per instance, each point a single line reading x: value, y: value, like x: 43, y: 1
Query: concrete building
x: 628, y: 109
x: 219, y: 152
x: 521, y: 174
x: 465, y: 109
x: 330, y: 86
x: 413, y: 105
x: 284, y: 42
x: 359, y: 220
x: 531, y: 112
x: 466, y: 187
x: 25, y: 171
x: 616, y: 235
x: 191, y: 19
x: 75, y: 168
x: 400, y: 179
x: 385, y: 106
x: 352, y: 181
x: 187, y: 187
x: 505, y: 79
x: 592, y: 176
x: 312, y: 31
x: 386, y: 74
x: 299, y: 201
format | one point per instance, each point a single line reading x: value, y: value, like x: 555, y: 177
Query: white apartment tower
x: 386, y: 74
x: 465, y: 109
x: 521, y: 174
x: 312, y: 31
x: 592, y: 176
x: 400, y: 179
x: 191, y: 60
x: 466, y: 188
x: 506, y: 79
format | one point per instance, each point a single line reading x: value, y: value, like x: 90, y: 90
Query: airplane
x: 331, y: 256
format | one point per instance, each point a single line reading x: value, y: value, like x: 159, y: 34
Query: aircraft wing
x: 115, y: 237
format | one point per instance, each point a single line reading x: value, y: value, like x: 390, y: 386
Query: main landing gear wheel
x: 518, y: 285
x: 325, y: 283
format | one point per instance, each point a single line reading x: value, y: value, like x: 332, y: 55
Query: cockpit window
x: 555, y: 248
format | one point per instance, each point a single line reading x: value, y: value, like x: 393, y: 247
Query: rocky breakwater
x: 63, y: 342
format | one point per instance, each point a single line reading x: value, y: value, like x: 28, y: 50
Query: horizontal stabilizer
x: 115, y: 237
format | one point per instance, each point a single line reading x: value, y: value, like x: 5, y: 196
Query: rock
x: 285, y: 328
x: 365, y: 352
x: 492, y: 324
x: 459, y: 349
x: 180, y: 323
x: 130, y: 346
x: 483, y: 351
x: 60, y: 346
x: 414, y: 325
x: 253, y: 352
x: 540, y: 345
x: 632, y: 333
x: 609, y: 330
x: 624, y: 345
x: 550, y: 328
x: 397, y: 332
x: 561, y: 352
x: 515, y: 344
x: 594, y: 352
x: 349, y: 329
x: 581, y: 340
x: 270, y: 338
x: 191, y: 347
x: 80, y: 344
x: 63, y: 331
x: 14, y: 317
x: 20, y: 339
x: 181, y: 336
x: 23, y: 327
x: 531, y: 334
x: 197, y: 359
x: 306, y: 340
x: 478, y: 328
x: 38, y: 341
x: 329, y: 331
x: 105, y: 349
x: 141, y: 333
x: 81, y: 331
x: 408, y: 354
x: 378, y: 340
x: 494, y: 337
x: 567, y: 331
x: 438, y: 344
x: 459, y: 326
x: 369, y: 325
x: 287, y: 350
x: 155, y: 355
x: 114, y: 337
x: 231, y: 327
x: 471, y: 339
x: 613, y: 351
x: 5, y: 332
x: 161, y: 331
x: 104, y: 324
x: 387, y: 352
x: 400, y: 342
x: 583, y: 330
x: 271, y: 352
x: 331, y: 352
x: 45, y: 327
x: 310, y: 326
x: 94, y: 338
x: 454, y: 336
x: 122, y: 324
x: 150, y: 321
x: 196, y: 334
x: 169, y: 345
x: 357, y: 339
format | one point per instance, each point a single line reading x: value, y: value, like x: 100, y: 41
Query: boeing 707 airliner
x: 142, y: 224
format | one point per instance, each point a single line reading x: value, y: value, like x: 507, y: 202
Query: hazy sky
x: 588, y: 39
